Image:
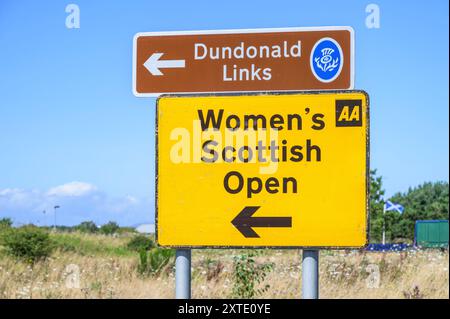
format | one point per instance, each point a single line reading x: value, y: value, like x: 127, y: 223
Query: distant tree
x: 376, y: 206
x: 6, y: 222
x: 424, y: 202
x: 5, y: 226
x: 87, y: 227
x: 109, y: 228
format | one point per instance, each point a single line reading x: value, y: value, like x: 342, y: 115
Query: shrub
x: 152, y: 262
x: 126, y: 230
x: 247, y: 275
x: 87, y: 227
x: 5, y: 222
x: 213, y: 269
x: 140, y: 242
x: 28, y: 243
x: 109, y: 228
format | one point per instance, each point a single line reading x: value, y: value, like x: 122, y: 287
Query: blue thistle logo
x: 326, y: 60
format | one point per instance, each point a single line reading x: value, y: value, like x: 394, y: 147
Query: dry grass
x: 111, y: 272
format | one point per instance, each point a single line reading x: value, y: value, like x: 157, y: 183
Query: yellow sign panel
x: 275, y: 170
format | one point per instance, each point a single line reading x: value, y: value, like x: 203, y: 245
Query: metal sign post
x: 183, y: 274
x: 310, y: 274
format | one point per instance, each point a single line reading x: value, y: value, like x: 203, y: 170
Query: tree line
x: 90, y: 227
x: 424, y: 202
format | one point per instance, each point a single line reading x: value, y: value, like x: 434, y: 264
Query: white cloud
x: 16, y: 197
x: 78, y: 201
x: 72, y: 189
x: 132, y: 199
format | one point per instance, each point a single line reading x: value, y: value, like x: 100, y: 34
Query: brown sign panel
x: 243, y: 60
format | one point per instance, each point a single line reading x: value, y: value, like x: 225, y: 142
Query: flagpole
x: 384, y: 224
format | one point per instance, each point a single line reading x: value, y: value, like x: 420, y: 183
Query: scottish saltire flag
x: 392, y: 206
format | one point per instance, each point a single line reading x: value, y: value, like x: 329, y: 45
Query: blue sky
x: 73, y: 134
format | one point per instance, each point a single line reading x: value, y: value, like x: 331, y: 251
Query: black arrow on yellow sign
x: 244, y: 222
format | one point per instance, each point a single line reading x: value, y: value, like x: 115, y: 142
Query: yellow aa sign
x: 345, y: 116
x: 263, y: 170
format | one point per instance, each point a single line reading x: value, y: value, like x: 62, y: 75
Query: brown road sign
x: 287, y: 59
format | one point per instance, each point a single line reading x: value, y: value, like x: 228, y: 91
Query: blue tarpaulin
x: 388, y: 247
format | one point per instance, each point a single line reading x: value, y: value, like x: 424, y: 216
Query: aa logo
x: 348, y: 113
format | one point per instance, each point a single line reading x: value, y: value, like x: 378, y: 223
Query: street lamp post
x: 54, y: 224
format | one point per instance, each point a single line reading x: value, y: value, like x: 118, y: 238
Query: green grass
x: 91, y: 245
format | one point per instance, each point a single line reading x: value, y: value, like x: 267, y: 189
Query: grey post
x: 183, y: 274
x: 310, y: 274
